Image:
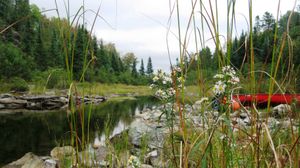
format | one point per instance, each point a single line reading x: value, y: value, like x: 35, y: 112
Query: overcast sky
x: 140, y: 26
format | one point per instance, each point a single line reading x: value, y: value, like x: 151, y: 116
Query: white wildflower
x: 180, y: 79
x: 152, y: 86
x: 134, y: 162
x: 219, y: 87
x: 171, y: 92
x: 167, y: 79
x: 222, y: 137
x: 177, y: 69
x: 159, y: 93
x: 219, y: 76
x: 204, y: 99
x: 155, y: 78
x: 234, y: 80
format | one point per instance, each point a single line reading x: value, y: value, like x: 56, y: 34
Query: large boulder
x: 92, y: 157
x: 281, y: 110
x: 61, y: 152
x: 29, y: 160
x: 153, y: 133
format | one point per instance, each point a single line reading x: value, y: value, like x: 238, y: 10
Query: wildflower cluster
x: 226, y: 80
x: 165, y: 84
x: 134, y: 162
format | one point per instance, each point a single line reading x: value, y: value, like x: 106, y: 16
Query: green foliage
x: 39, y: 44
x: 57, y: 78
x: 14, y: 63
x: 52, y: 78
x: 18, y: 85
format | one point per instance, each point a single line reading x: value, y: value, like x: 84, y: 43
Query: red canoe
x: 263, y: 98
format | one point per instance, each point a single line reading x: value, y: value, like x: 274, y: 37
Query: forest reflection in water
x: 39, y: 132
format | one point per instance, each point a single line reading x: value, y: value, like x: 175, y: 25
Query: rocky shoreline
x: 43, y: 102
x: 151, y: 124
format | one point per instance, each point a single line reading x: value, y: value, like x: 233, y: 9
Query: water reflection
x: 40, y: 132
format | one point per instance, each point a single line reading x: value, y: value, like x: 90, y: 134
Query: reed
x: 221, y: 144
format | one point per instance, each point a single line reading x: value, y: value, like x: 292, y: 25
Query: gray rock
x: 243, y: 115
x: 151, y: 157
x: 94, y: 157
x: 2, y: 106
x: 50, y: 163
x: 146, y: 166
x: 235, y: 114
x: 29, y: 160
x: 247, y: 121
x: 241, y: 122
x: 6, y: 95
x: 285, y: 124
x: 61, y: 152
x: 42, y: 102
x: 198, y: 105
x: 272, y: 122
x: 137, y: 130
x: 152, y: 154
x: 140, y: 129
x: 281, y: 110
x: 263, y: 114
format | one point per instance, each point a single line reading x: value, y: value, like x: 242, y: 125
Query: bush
x: 53, y: 78
x: 18, y: 84
x: 14, y: 63
x: 57, y: 78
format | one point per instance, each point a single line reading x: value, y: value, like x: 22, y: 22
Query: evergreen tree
x: 134, y: 72
x: 55, y: 51
x: 142, y: 69
x: 149, y: 67
x: 103, y: 60
x: 40, y: 52
x: 268, y: 21
x: 79, y: 53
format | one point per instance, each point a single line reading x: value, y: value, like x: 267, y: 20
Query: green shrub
x: 18, y: 84
x: 14, y: 62
x: 57, y: 78
x: 53, y: 78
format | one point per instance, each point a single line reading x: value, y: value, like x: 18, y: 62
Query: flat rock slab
x: 44, y: 102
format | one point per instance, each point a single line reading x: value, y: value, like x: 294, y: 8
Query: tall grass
x: 79, y: 118
x: 218, y: 143
x: 222, y: 144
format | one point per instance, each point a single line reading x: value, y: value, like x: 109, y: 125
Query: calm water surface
x: 40, y: 132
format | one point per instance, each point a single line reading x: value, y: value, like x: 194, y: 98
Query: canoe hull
x: 262, y: 99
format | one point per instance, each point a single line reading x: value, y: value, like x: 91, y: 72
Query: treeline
x: 263, y: 45
x: 34, y: 47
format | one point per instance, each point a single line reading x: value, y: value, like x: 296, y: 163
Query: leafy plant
x: 18, y: 85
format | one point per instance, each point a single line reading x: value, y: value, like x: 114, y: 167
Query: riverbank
x: 149, y: 143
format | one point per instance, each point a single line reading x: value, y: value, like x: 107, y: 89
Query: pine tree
x: 40, y: 52
x: 142, y: 69
x: 55, y: 51
x: 149, y: 67
x: 79, y: 53
x: 134, y: 71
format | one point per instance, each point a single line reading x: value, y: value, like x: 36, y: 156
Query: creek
x: 39, y: 132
